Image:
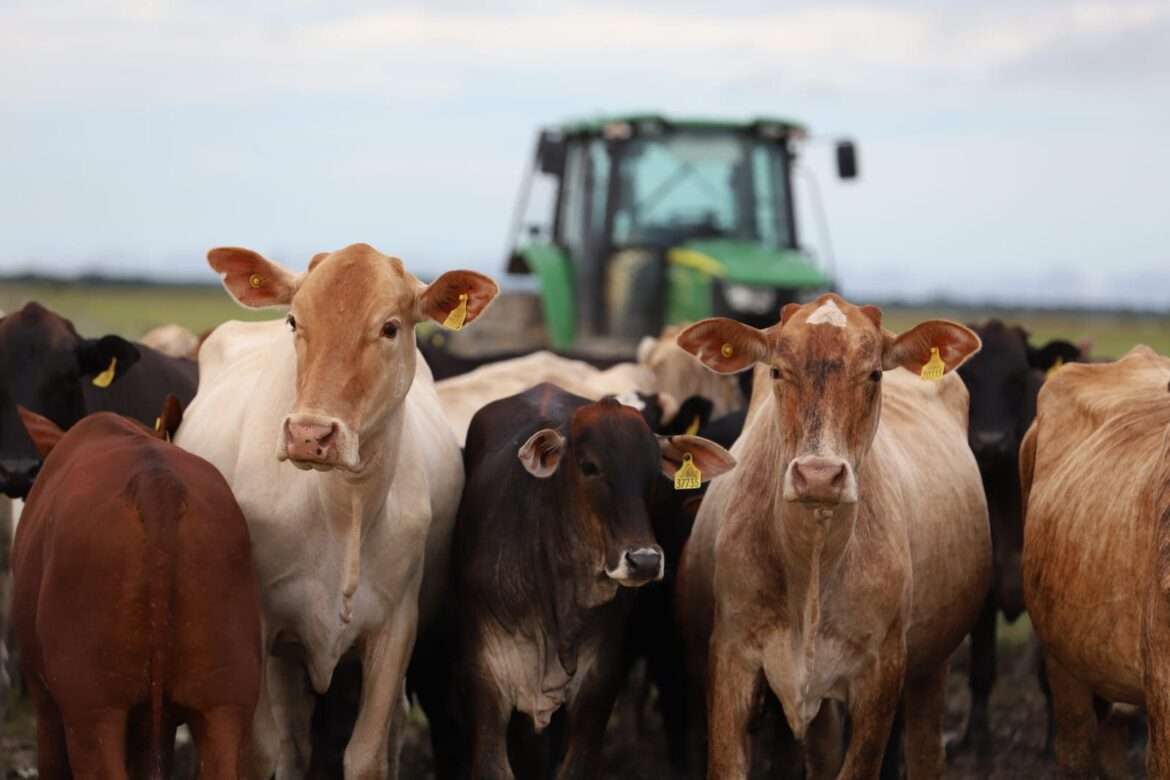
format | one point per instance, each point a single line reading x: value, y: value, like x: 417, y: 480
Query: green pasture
x: 131, y: 310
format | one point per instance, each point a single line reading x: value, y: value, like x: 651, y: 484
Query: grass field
x: 132, y: 310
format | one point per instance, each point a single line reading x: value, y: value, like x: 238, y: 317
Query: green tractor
x: 657, y: 221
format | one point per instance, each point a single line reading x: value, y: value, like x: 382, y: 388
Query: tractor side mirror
x: 846, y: 160
x: 550, y: 154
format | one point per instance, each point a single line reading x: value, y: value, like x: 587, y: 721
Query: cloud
x: 184, y: 51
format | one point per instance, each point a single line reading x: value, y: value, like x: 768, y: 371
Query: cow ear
x: 913, y: 349
x: 724, y: 346
x: 169, y: 418
x: 44, y: 432
x: 541, y: 454
x: 693, y: 414
x: 645, y: 349
x: 253, y: 280
x: 106, y: 359
x: 1053, y: 353
x: 456, y: 298
x: 708, y: 457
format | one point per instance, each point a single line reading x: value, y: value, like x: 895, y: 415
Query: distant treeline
x: 985, y: 307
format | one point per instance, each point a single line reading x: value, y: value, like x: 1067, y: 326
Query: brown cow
x: 1095, y: 471
x: 135, y: 604
x: 846, y: 558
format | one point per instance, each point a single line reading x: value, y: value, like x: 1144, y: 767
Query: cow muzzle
x: 813, y: 479
x: 638, y: 566
x: 316, y: 442
x: 17, y: 475
x: 992, y: 444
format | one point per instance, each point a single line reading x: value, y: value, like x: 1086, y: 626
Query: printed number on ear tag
x: 458, y: 315
x: 104, y: 378
x: 934, y: 368
x: 688, y: 476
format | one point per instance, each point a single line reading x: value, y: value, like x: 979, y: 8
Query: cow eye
x: 292, y: 323
x: 589, y: 468
x: 390, y: 329
x: 775, y: 373
x: 875, y: 375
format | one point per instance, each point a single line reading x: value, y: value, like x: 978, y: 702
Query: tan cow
x: 462, y: 396
x: 849, y: 554
x: 1095, y: 470
x: 342, y: 540
x: 676, y: 373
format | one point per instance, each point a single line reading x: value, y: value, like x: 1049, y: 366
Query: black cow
x: 1003, y: 380
x: 553, y: 532
x: 48, y: 368
x: 655, y: 632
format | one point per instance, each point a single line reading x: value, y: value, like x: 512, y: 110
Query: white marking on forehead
x: 630, y: 398
x: 828, y: 314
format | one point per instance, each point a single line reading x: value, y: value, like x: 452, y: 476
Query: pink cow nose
x: 820, y: 480
x: 311, y: 441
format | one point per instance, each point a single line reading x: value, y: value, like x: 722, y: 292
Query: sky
x: 1010, y: 150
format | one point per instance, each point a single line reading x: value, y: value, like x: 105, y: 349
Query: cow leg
x: 981, y: 679
x: 732, y: 681
x: 589, y: 713
x: 923, y: 703
x: 1113, y: 743
x: 824, y: 743
x: 373, y: 749
x: 287, y: 743
x: 221, y: 737
x: 873, y: 704
x: 1076, y: 721
x: 52, y: 752
x: 97, y: 744
x: 490, y: 715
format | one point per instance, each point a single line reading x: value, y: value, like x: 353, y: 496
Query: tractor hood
x: 748, y: 262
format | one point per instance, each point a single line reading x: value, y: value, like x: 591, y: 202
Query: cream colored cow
x: 329, y: 431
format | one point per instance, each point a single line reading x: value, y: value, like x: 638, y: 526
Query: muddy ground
x: 1017, y: 720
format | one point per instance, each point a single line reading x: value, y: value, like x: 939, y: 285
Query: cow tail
x: 161, y: 500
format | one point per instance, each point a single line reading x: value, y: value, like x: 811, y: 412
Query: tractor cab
x: 657, y: 221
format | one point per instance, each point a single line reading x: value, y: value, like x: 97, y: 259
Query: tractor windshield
x: 695, y: 184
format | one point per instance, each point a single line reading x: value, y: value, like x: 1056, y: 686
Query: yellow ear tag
x: 1054, y: 367
x: 458, y: 315
x: 693, y: 428
x: 104, y: 378
x: 158, y: 427
x: 934, y: 368
x: 727, y: 350
x: 688, y: 476
x: 255, y: 281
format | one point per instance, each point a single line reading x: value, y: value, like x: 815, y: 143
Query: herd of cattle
x: 282, y: 544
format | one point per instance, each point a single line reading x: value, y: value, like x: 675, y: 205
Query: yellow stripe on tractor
x: 689, y: 258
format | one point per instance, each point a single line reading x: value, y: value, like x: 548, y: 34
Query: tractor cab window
x: 693, y: 185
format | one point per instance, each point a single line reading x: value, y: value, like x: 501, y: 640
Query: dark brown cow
x: 553, y: 532
x: 135, y: 604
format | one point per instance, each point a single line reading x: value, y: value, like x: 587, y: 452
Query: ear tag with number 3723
x: 688, y: 476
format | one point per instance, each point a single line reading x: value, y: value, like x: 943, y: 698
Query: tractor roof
x: 597, y: 125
